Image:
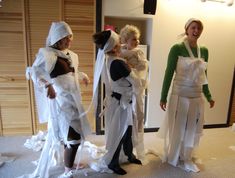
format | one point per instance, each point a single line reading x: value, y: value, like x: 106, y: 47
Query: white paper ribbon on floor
x: 92, y: 159
x: 36, y: 142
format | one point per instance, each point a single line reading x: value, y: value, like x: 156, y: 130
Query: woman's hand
x: 163, y: 105
x: 51, y: 92
x: 212, y: 103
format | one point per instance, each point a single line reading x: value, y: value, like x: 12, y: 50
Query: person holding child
x: 119, y: 81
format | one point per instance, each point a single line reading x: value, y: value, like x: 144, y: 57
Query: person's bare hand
x: 51, y: 92
x: 212, y: 103
x: 163, y: 105
x: 86, y: 81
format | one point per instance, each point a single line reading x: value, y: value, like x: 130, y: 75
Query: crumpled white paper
x: 36, y: 142
x: 95, y: 151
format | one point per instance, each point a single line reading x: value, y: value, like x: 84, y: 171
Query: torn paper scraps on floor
x: 36, y: 142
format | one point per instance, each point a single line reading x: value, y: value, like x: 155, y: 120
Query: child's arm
x: 84, y: 77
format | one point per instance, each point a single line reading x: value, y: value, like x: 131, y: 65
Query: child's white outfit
x: 136, y: 59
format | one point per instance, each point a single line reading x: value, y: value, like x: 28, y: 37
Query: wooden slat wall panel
x: 80, y: 15
x: 24, y: 25
x: 14, y: 101
x: 41, y: 13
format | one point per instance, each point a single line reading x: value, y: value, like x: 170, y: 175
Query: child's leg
x: 69, y: 156
x: 70, y: 153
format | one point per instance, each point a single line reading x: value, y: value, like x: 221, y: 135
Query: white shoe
x: 191, y: 166
x: 68, y: 174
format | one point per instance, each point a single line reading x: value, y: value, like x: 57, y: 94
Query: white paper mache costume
x: 185, y: 115
x: 66, y: 109
x: 139, y: 65
x: 118, y: 114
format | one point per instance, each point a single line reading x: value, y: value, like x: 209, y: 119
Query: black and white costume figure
x: 67, y: 122
x: 119, y: 105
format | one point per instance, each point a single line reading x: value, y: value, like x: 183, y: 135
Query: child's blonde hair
x: 127, y: 31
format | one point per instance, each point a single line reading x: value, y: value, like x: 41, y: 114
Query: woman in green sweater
x: 184, y: 121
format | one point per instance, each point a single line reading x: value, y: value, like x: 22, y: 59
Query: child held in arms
x: 136, y: 59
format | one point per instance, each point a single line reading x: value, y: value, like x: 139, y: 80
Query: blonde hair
x: 127, y: 31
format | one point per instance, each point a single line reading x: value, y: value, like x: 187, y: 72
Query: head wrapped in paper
x: 191, y: 20
x: 111, y: 42
x: 58, y: 31
x: 187, y: 24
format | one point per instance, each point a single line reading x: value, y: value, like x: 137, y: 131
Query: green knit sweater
x: 180, y: 50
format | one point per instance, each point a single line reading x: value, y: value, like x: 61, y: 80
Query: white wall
x: 168, y: 22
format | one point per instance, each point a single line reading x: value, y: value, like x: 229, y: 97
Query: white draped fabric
x: 62, y: 112
x: 118, y: 114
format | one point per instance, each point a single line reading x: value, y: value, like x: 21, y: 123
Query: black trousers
x: 126, y: 142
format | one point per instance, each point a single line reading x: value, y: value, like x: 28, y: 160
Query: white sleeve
x: 38, y: 71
